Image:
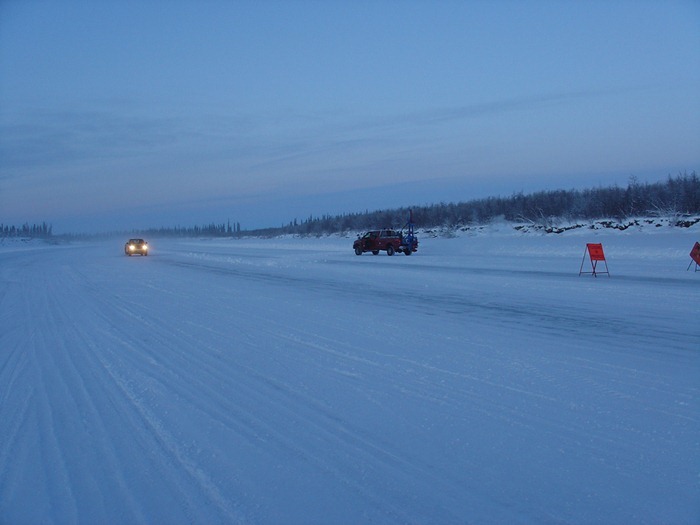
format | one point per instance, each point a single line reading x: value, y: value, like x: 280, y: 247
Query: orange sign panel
x: 596, y: 255
x: 695, y: 253
x: 596, y: 252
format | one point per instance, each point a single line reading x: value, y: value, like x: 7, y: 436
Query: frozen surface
x: 290, y: 381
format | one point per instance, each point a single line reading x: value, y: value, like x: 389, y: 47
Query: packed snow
x: 480, y: 380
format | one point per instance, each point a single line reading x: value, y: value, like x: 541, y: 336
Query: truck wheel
x: 375, y: 252
x: 408, y: 251
x: 358, y: 251
x: 390, y: 250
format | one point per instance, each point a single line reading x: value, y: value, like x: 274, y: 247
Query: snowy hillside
x: 481, y: 380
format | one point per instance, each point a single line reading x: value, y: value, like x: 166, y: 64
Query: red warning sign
x: 596, y: 252
x: 596, y: 255
x: 695, y: 255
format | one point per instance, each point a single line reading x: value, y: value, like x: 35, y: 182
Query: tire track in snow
x: 280, y: 403
x: 64, y: 337
x: 523, y: 316
x: 514, y: 313
x: 114, y: 311
x: 277, y: 400
x: 233, y: 401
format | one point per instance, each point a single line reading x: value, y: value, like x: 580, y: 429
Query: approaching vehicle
x: 136, y: 246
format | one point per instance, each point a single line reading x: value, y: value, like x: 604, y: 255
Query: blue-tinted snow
x: 481, y: 380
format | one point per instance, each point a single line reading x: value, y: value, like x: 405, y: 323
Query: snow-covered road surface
x: 290, y: 381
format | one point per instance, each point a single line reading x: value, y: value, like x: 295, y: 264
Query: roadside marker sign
x: 695, y: 256
x: 596, y: 255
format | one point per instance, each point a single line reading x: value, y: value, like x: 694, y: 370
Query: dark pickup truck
x: 390, y: 241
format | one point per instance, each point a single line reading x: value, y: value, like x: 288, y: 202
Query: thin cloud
x: 431, y: 117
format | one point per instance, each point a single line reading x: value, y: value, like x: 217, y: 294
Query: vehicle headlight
x: 145, y: 246
x: 132, y: 247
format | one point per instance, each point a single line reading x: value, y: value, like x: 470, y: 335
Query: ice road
x: 481, y: 380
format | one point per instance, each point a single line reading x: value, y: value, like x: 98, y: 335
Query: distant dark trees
x: 676, y: 196
x: 673, y: 197
x: 227, y: 229
x: 42, y: 230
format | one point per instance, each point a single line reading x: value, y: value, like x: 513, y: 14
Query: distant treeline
x: 42, y: 230
x: 675, y: 196
x: 227, y: 229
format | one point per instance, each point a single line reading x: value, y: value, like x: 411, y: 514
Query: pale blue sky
x: 120, y: 114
